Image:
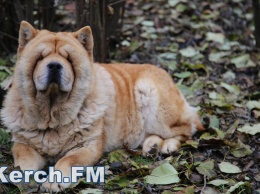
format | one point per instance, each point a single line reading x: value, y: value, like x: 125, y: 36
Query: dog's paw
x: 170, y: 145
x: 152, y: 145
x: 54, y: 187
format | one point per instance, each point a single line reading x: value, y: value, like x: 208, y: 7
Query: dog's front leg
x: 85, y: 156
x: 27, y: 158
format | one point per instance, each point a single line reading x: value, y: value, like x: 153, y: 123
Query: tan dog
x: 64, y: 108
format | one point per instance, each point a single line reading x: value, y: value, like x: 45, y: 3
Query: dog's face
x: 53, y: 75
x: 53, y: 71
x: 50, y: 56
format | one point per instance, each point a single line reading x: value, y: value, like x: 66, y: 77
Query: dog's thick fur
x: 91, y: 109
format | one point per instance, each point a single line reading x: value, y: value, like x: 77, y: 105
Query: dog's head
x: 53, y: 75
x: 53, y: 58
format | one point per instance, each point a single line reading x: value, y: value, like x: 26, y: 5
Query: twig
x: 8, y: 35
x: 205, y: 183
x: 116, y: 2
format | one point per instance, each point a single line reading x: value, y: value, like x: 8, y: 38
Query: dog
x: 65, y: 109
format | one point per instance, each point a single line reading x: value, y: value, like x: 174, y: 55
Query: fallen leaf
x: 242, y: 61
x: 206, y: 168
x: 164, y: 174
x: 218, y: 182
x: 231, y: 88
x: 197, y: 85
x: 253, y: 105
x: 218, y: 57
x: 216, y: 37
x: 186, y: 91
x: 240, y: 184
x: 183, y: 75
x: 189, y: 52
x: 92, y: 191
x: 147, y: 23
x: 117, y: 156
x: 173, y: 3
x: 228, y: 168
x: 130, y: 191
x: 229, y: 75
x: 187, y: 190
x: 168, y: 55
x: 240, y: 149
x: 252, y: 130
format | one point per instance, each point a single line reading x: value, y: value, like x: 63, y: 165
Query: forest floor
x: 208, y: 48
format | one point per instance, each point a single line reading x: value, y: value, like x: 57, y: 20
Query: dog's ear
x: 85, y: 37
x: 26, y: 33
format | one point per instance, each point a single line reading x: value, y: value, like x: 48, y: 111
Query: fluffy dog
x: 64, y: 108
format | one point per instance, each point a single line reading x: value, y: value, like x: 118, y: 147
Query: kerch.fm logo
x: 92, y: 175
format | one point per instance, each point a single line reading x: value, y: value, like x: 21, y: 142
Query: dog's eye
x: 39, y: 59
x: 69, y: 60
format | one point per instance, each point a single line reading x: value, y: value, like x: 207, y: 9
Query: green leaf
x: 216, y: 37
x: 192, y: 143
x: 214, y: 122
x: 207, y: 136
x: 252, y: 130
x: 3, y: 62
x: 206, y: 168
x: 189, y: 52
x: 117, y: 156
x: 92, y: 191
x: 173, y: 3
x: 183, y: 75
x: 228, y: 168
x: 253, y: 105
x: 188, y: 190
x: 241, y: 150
x: 215, y: 96
x: 185, y: 90
x: 139, y: 20
x: 218, y: 182
x: 168, y: 55
x: 197, y: 85
x: 229, y: 75
x: 167, y: 192
x: 2, y: 68
x: 242, y: 61
x: 221, y: 104
x: 231, y: 88
x: 172, y: 65
x: 181, y: 7
x: 130, y: 191
x: 164, y: 174
x: 148, y: 23
x: 218, y: 57
x: 196, y: 66
x: 118, y: 181
x: 134, y: 46
x: 246, y: 187
x: 232, y: 129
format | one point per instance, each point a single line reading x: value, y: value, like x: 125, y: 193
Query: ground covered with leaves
x: 208, y: 48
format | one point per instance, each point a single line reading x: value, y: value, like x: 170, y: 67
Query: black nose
x: 54, y: 67
x: 54, y: 74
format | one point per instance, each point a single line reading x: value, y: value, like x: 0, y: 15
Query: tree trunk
x: 256, y: 6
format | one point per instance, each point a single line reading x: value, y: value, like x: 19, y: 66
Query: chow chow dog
x: 65, y: 109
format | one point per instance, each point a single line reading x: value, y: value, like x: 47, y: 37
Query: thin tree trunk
x: 256, y: 6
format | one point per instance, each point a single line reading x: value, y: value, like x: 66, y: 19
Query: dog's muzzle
x: 54, y: 72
